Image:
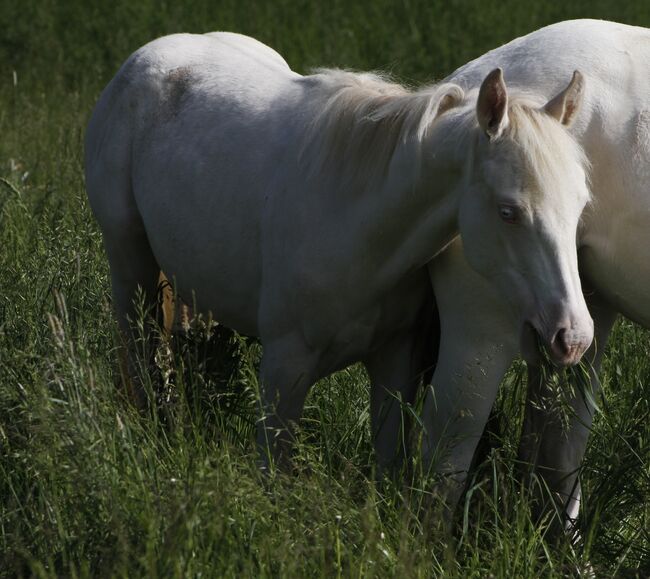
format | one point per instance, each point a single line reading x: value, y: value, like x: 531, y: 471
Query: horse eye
x: 508, y: 213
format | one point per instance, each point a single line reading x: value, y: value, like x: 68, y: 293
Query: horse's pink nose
x: 559, y: 343
x: 567, y: 346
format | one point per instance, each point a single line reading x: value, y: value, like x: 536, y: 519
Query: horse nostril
x: 559, y: 342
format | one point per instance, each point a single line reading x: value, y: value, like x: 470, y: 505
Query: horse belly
x: 205, y: 237
x: 215, y: 283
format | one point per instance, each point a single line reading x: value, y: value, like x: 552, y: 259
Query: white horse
x: 479, y: 335
x: 303, y: 209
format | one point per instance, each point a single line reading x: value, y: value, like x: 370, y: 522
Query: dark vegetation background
x: 89, y: 488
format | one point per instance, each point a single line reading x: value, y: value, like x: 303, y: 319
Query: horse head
x: 519, y: 213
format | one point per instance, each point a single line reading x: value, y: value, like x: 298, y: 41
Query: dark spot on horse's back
x: 177, y: 81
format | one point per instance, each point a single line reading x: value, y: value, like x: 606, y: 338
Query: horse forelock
x: 362, y: 118
x: 540, y: 147
x: 551, y: 153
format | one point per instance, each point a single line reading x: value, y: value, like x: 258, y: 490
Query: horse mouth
x: 536, y: 350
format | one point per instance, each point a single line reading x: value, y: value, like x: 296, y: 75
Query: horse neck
x: 415, y: 219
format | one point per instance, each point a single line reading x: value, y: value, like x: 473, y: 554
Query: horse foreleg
x: 287, y: 371
x: 553, y: 441
x: 395, y: 371
x: 478, y: 341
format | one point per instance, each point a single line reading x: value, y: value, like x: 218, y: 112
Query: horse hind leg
x: 134, y: 281
x: 176, y: 314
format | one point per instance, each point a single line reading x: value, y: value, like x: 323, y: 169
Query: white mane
x: 363, y: 117
x: 548, y: 152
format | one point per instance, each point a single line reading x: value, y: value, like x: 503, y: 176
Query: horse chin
x: 529, y: 343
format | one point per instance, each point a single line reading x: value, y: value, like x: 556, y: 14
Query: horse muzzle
x: 565, y: 342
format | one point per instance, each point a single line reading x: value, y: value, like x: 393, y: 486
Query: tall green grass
x: 91, y: 488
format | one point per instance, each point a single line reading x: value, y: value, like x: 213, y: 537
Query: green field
x: 90, y: 488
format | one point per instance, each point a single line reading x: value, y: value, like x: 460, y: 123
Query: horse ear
x: 565, y: 106
x: 492, y: 104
